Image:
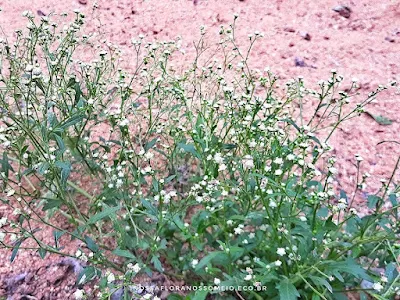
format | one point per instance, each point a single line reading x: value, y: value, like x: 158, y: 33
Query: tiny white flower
x: 333, y: 170
x: 248, y: 162
x: 377, y: 286
x: 278, y: 263
x: 248, y: 277
x: 281, y: 251
x: 2, y: 236
x: 195, y: 262
x: 217, y: 281
x: 136, y: 268
x: 79, y: 294
x: 3, y: 221
x: 110, y: 278
x: 10, y: 193
x: 218, y: 158
x: 359, y: 158
x: 290, y: 157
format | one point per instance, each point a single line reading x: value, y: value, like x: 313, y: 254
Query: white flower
x: 248, y: 162
x: 217, y: 281
x: 272, y: 204
x: 278, y: 172
x: 333, y: 170
x: 110, y: 278
x: 10, y: 193
x: 252, y: 144
x: 218, y: 158
x: 149, y: 155
x: 248, y: 277
x: 239, y: 230
x: 136, y: 268
x: 124, y: 122
x: 3, y: 221
x: 278, y: 263
x: 303, y: 218
x: 195, y: 262
x: 222, y: 167
x: 384, y: 279
x: 278, y: 161
x: 290, y: 157
x: 79, y: 294
x: 2, y: 236
x: 281, y: 251
x: 377, y: 286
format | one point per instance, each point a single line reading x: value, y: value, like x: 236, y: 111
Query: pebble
x: 343, y: 10
x: 305, y: 35
x: 389, y: 39
x: 289, y: 29
x: 299, y: 62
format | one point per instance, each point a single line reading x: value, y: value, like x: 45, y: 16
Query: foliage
x: 208, y: 175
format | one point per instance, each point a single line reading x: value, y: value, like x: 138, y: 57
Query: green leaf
x: 5, y: 167
x: 207, y: 259
x: 150, y: 144
x: 91, y: 244
x: 57, y: 235
x: 124, y: 253
x: 169, y: 179
x: 65, y: 167
x: 291, y: 122
x: 229, y: 146
x: 52, y: 203
x: 287, y: 291
x: 175, y: 297
x: 190, y: 148
x: 150, y: 208
x: 350, y: 266
x: 381, y: 120
x: 101, y: 215
x: 90, y: 274
x: 319, y: 281
x: 42, y: 252
x: 199, y: 295
x: 157, y: 264
x: 372, y: 201
x: 39, y: 84
x: 15, y: 250
x: 72, y: 121
x: 78, y: 92
x: 59, y: 141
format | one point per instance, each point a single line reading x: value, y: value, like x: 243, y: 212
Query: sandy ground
x: 366, y: 45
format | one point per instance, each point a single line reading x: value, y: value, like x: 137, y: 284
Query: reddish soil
x: 366, y: 46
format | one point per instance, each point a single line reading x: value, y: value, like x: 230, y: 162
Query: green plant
x: 209, y: 175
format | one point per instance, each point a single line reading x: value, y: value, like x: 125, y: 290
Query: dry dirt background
x: 366, y: 46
